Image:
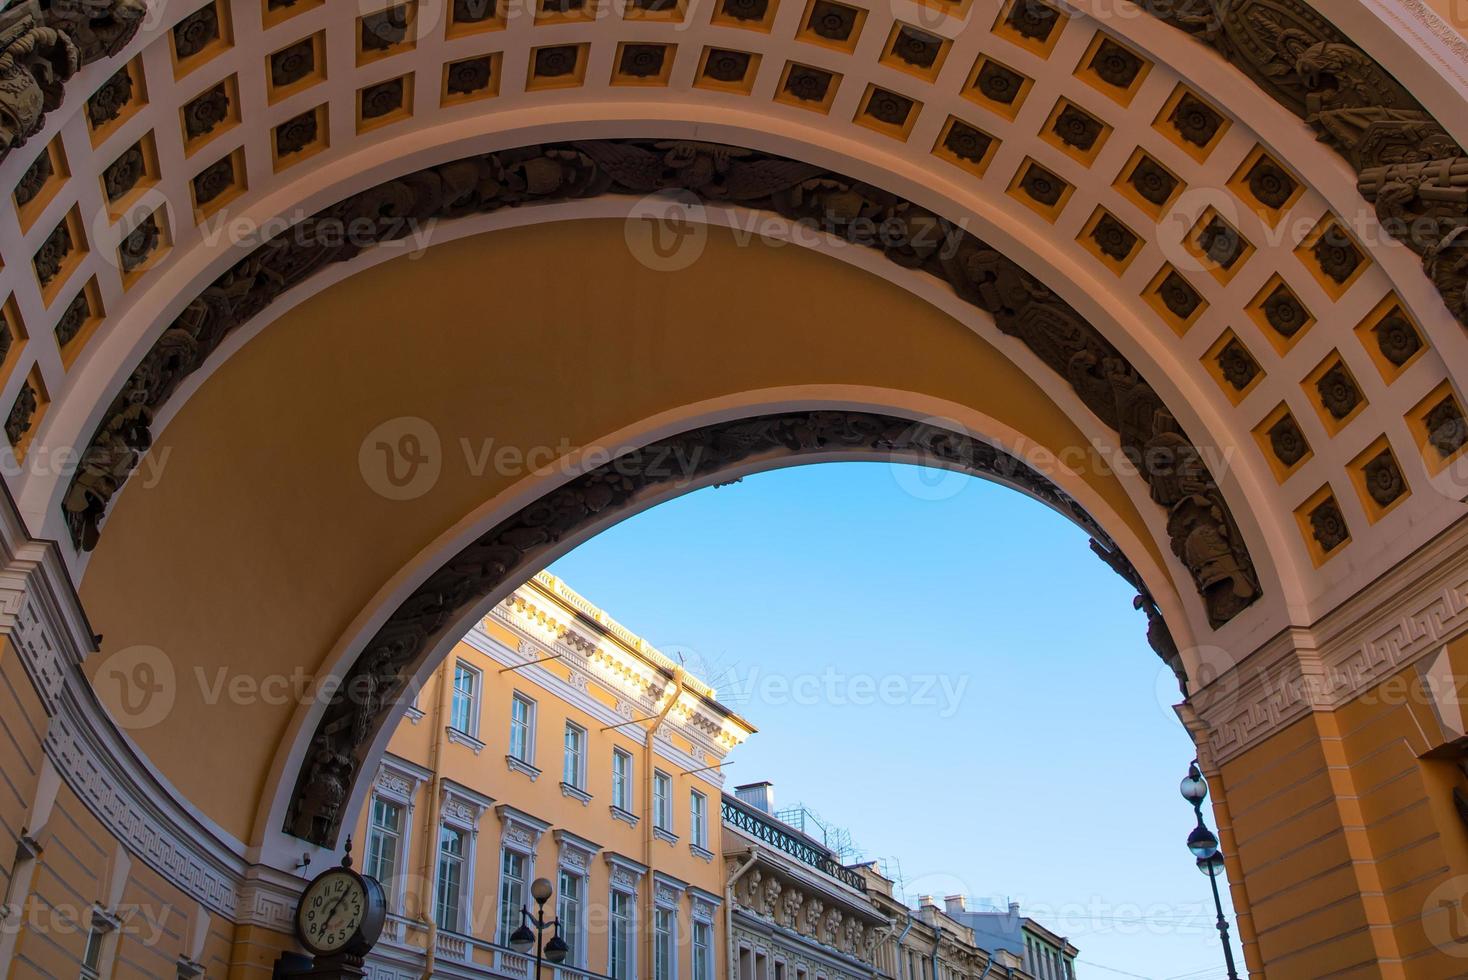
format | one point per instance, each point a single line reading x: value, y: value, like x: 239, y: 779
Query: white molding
x: 1403, y: 616
x: 462, y: 808
x: 458, y: 737
x: 516, y: 764
x: 519, y: 830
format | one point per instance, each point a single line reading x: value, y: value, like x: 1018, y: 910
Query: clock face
x: 331, y: 911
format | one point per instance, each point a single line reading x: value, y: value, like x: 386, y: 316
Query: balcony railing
x: 767, y: 831
x: 501, y: 963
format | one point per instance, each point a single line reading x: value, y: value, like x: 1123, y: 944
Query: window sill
x: 665, y: 835
x: 702, y: 853
x: 520, y: 765
x: 414, y: 714
x: 575, y: 793
x: 626, y: 816
x: 464, y: 738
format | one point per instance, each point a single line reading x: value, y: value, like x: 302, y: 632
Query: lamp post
x: 523, y: 938
x: 1204, y: 846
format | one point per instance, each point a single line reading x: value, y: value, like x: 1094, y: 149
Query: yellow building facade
x: 554, y: 744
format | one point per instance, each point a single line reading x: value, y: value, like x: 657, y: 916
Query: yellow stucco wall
x: 260, y: 516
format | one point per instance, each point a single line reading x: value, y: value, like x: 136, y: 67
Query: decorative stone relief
x: 1287, y: 441
x: 1155, y: 184
x: 34, y: 179
x: 1384, y: 480
x: 1328, y: 525
x: 124, y: 173
x: 1203, y: 534
x: 1338, y: 391
x: 107, y: 103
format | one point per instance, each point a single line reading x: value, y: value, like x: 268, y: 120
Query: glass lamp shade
x: 1212, y: 865
x: 1202, y: 842
x: 556, y: 949
x: 1194, y: 788
x: 522, y: 939
x: 540, y: 890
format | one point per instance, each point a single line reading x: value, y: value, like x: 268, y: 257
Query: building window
x: 665, y: 951
x: 703, y: 950
x: 622, y: 922
x: 512, y: 893
x: 384, y: 841
x: 568, y: 910
x: 92, y: 955
x: 621, y: 780
x: 575, y: 756
x: 698, y: 819
x: 522, y: 728
x: 448, y: 902
x: 662, y: 801
x: 464, y: 712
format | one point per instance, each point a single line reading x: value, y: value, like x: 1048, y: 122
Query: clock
x: 340, y: 912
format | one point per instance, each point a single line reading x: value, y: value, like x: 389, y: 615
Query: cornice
x: 1401, y: 617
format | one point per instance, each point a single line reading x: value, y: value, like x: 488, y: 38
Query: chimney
x: 954, y: 904
x: 760, y: 795
x: 926, y: 901
x: 1014, y: 910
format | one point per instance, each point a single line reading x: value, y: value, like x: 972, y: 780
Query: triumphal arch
x: 1192, y: 272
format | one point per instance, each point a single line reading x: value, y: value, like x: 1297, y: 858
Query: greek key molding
x: 1397, y: 620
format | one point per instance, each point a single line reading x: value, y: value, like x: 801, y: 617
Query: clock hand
x: 338, y: 905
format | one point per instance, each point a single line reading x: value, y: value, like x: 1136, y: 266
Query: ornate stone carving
x: 53, y: 251
x: 555, y: 61
x: 1033, y: 19
x: 966, y: 142
x: 384, y: 97
x: 1356, y: 107
x: 1237, y: 365
x: 1154, y: 183
x: 1338, y: 391
x: 1284, y: 311
x: 196, y: 31
x: 642, y: 60
x: 123, y: 174
x: 33, y: 180
x: 384, y: 29
x: 206, y: 111
x: 1338, y: 256
x: 1196, y: 120
x: 469, y: 75
x: 1113, y: 238
x: 140, y: 243
x: 999, y: 83
x: 99, y: 28
x: 291, y: 64
x: 1287, y: 441
x: 1204, y: 535
x: 1396, y: 338
x: 35, y: 61
x: 1042, y: 185
x: 22, y: 413
x: 1077, y: 128
x: 889, y: 107
x: 807, y: 84
x: 107, y: 103
x: 1179, y: 296
x: 1115, y: 64
x: 1270, y: 183
x: 917, y: 47
x: 833, y: 21
x: 726, y: 66
x: 213, y: 180
x: 1221, y: 242
x: 1328, y: 525
x: 71, y: 321
x: 745, y: 9
x: 1447, y: 429
x: 1384, y: 480
x: 296, y: 133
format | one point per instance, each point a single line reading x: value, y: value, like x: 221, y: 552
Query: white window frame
x: 518, y: 762
x: 573, y: 859
x: 662, y: 807
x: 702, y: 911
x: 508, y: 919
x: 519, y: 832
x: 573, y: 772
x: 624, y: 877
x: 473, y: 696
x: 698, y: 821
x: 623, y: 793
x: 667, y: 897
x: 460, y: 809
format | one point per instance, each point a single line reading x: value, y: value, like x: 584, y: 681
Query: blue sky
x: 940, y: 666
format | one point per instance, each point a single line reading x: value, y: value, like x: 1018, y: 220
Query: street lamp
x: 523, y: 938
x: 1204, y: 845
